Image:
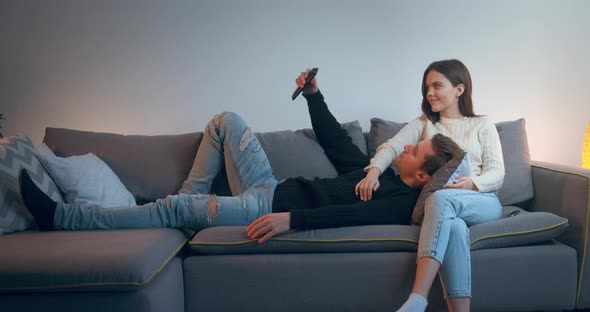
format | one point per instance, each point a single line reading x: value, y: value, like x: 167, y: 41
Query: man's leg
x: 249, y: 174
x: 188, y: 211
x: 227, y: 138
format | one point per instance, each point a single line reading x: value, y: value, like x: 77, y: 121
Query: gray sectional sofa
x: 536, y: 260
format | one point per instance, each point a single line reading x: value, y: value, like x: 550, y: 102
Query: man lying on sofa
x: 268, y: 206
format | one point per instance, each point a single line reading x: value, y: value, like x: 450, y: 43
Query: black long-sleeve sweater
x: 331, y: 202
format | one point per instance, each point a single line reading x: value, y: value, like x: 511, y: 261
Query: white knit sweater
x: 476, y: 135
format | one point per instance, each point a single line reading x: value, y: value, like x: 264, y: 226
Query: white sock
x: 415, y: 303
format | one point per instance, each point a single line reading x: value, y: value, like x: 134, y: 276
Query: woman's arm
x: 492, y: 167
x: 386, y: 152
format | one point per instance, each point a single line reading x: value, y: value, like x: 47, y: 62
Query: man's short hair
x: 445, y: 149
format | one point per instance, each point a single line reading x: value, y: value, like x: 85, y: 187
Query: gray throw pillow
x: 523, y: 229
x: 18, y: 152
x: 352, y: 128
x: 435, y: 183
x: 518, y: 183
x: 381, y: 131
x: 298, y: 153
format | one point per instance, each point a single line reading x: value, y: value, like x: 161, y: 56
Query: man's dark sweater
x: 331, y: 202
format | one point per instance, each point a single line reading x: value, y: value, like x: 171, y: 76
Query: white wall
x: 165, y: 67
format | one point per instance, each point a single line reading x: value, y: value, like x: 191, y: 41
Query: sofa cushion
x: 151, y: 167
x: 119, y: 260
x: 381, y: 131
x: 367, y: 238
x: 523, y: 229
x: 298, y: 153
x: 17, y: 152
x: 518, y: 185
x: 85, y: 180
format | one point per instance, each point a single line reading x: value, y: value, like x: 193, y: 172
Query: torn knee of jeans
x: 247, y: 138
x: 212, y: 208
x: 217, y: 119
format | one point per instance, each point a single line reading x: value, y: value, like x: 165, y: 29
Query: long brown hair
x: 457, y: 74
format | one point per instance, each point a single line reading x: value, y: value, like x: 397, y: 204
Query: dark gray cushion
x: 518, y: 185
x: 518, y: 181
x: 298, y: 153
x: 17, y: 152
x: 86, y: 260
x: 524, y: 229
x: 354, y: 131
x: 381, y: 130
x: 368, y: 238
x: 150, y: 167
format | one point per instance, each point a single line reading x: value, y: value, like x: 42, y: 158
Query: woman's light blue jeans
x: 226, y: 140
x: 444, y: 235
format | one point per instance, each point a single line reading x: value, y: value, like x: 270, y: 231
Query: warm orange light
x: 586, y: 149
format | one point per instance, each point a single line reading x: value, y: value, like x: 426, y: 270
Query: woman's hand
x: 311, y: 88
x: 366, y: 186
x: 269, y: 225
x: 464, y: 183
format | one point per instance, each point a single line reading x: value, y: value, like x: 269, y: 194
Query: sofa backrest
x: 153, y: 167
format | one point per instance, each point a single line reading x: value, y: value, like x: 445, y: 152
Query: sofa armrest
x: 565, y: 191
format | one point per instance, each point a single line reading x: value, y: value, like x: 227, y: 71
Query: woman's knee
x: 459, y: 228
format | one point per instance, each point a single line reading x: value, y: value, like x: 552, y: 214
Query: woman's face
x: 442, y: 96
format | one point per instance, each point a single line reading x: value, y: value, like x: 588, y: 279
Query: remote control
x: 310, y: 76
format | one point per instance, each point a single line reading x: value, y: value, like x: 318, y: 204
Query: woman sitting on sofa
x: 444, y: 244
x: 268, y: 206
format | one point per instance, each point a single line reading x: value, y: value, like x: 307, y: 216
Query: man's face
x: 410, y: 161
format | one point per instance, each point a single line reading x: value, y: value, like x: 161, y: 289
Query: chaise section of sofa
x: 131, y: 270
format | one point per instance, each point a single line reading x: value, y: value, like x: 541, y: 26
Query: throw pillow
x: 436, y: 182
x: 18, y: 152
x: 464, y: 170
x: 518, y: 180
x: 353, y: 130
x: 381, y: 131
x: 86, y: 180
x: 298, y: 153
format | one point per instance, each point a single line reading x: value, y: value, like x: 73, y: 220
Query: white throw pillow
x: 464, y: 170
x: 85, y: 179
